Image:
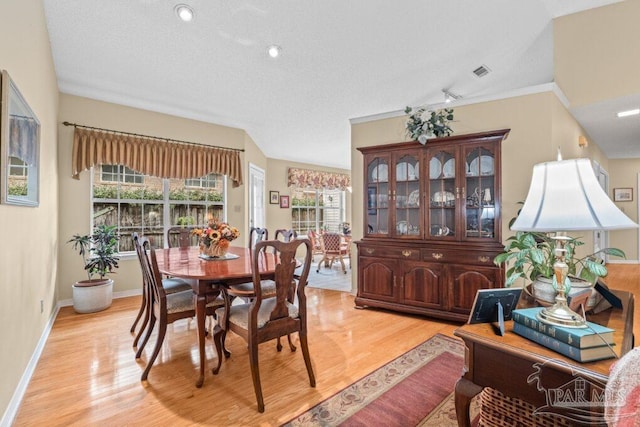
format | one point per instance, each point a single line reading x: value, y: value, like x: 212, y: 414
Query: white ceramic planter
x: 544, y: 292
x: 90, y: 296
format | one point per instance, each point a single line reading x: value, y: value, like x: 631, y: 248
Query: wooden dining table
x: 207, y: 276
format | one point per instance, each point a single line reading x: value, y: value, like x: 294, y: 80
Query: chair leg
x: 307, y: 359
x: 217, y: 339
x: 152, y: 322
x: 344, y: 268
x: 161, y: 333
x: 142, y: 310
x: 145, y: 321
x: 255, y: 374
x: 291, y: 346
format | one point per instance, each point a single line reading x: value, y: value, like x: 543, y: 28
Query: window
x: 317, y: 210
x: 117, y: 173
x: 150, y: 205
x: 18, y: 177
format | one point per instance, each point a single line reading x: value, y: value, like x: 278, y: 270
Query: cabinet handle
x: 483, y: 258
x: 406, y: 252
x: 436, y: 255
x: 457, y: 193
x: 369, y: 250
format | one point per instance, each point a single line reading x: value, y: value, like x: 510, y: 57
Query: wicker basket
x: 500, y: 410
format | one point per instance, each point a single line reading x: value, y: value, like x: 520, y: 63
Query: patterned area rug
x: 416, y: 389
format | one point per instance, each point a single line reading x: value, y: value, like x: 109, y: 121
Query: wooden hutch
x: 432, y: 224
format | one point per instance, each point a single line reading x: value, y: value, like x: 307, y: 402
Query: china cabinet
x: 432, y: 224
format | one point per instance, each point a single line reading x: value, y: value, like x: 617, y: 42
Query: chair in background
x: 315, y: 244
x: 164, y: 308
x: 181, y: 237
x: 267, y: 318
x: 333, y: 247
x: 257, y: 234
x: 170, y: 285
x: 285, y: 235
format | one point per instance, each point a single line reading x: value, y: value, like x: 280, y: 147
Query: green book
x: 593, y: 336
x: 580, y: 354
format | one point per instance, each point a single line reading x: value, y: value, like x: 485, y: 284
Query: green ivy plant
x: 530, y: 255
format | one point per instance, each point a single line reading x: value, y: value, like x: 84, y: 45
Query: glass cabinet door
x: 442, y: 193
x: 480, y: 190
x: 406, y: 195
x: 377, y: 195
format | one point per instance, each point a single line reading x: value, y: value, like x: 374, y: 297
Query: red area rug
x: 415, y: 389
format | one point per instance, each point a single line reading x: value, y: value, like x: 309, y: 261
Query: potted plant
x: 531, y: 255
x: 98, y: 252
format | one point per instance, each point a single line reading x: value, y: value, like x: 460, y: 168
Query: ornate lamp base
x: 561, y: 315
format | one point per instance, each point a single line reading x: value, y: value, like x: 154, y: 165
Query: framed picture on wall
x: 284, y: 201
x: 274, y: 197
x: 623, y: 194
x: 19, y: 147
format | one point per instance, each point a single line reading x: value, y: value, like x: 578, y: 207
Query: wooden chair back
x: 285, y: 235
x: 181, y: 237
x: 257, y: 234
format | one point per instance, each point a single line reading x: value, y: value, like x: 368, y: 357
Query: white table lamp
x: 565, y: 196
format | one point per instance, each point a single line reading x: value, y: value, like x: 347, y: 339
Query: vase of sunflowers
x: 215, y: 239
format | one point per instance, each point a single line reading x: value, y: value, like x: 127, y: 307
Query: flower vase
x: 213, y: 250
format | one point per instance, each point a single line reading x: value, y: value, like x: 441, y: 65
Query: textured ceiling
x: 340, y: 60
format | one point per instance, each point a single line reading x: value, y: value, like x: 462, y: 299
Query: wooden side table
x: 523, y: 369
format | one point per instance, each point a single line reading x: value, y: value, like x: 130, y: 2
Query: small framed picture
x: 623, y: 194
x: 284, y: 201
x: 274, y: 197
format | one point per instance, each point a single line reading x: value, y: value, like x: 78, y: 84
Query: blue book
x: 580, y: 354
x: 593, y: 336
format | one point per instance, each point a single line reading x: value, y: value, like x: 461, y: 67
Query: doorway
x: 256, y: 196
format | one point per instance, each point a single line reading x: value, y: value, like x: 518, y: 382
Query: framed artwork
x: 19, y: 147
x: 284, y: 201
x: 623, y: 194
x: 274, y: 197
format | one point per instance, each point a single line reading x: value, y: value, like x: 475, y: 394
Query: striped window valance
x: 152, y: 156
x: 306, y: 178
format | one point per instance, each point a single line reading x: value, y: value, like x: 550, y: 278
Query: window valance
x: 152, y: 156
x: 305, y: 178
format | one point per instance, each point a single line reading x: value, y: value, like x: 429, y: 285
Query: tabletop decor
x: 215, y: 239
x: 424, y: 123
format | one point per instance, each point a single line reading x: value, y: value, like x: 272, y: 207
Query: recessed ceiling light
x: 184, y: 12
x: 628, y: 113
x: 274, y: 51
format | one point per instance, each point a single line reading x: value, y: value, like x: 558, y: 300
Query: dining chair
x: 264, y: 319
x: 164, y: 308
x: 285, y: 235
x: 333, y: 247
x: 257, y: 234
x: 171, y: 285
x: 181, y: 237
x: 315, y: 244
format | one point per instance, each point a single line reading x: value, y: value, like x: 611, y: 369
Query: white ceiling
x: 340, y: 60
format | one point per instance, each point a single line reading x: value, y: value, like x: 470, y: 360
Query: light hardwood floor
x: 88, y: 375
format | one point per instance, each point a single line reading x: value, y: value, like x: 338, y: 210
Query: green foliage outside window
x: 306, y: 201
x: 18, y: 190
x: 195, y: 195
x: 111, y: 192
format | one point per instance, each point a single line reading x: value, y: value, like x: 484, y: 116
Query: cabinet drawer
x: 459, y: 257
x: 387, y: 252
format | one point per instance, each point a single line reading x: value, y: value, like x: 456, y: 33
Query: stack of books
x: 582, y: 344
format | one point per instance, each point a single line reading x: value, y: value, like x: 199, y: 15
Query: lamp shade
x: 565, y: 196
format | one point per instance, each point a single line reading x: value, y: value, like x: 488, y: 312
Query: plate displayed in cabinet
x: 404, y: 171
x: 486, y: 166
x: 402, y: 227
x: 449, y: 168
x: 380, y: 173
x: 414, y: 199
x: 435, y: 168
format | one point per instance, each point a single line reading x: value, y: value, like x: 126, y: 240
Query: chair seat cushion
x: 183, y: 301
x: 239, y: 314
x: 172, y: 285
x: 268, y: 288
